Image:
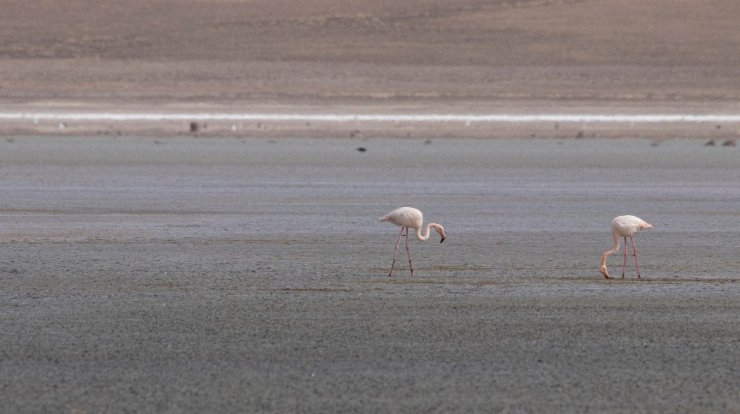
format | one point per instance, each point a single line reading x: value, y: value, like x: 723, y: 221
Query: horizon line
x: 339, y: 117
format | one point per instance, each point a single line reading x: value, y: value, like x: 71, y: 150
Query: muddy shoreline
x: 195, y: 121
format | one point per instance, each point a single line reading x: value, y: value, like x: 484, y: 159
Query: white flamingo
x: 409, y: 217
x: 624, y: 226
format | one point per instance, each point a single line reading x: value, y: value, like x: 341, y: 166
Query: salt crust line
x: 471, y: 118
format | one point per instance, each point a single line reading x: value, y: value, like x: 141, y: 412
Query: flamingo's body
x: 623, y: 227
x: 410, y: 218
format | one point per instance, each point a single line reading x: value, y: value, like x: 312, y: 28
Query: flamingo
x: 409, y: 217
x: 624, y: 226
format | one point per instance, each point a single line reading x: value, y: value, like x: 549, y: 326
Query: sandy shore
x: 315, y: 121
x: 150, y: 275
x: 471, y: 56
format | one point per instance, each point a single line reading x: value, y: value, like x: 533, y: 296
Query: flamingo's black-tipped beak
x: 443, y: 239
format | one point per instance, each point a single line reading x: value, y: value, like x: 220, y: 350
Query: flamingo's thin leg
x: 625, y: 256
x: 408, y: 252
x: 634, y: 250
x: 395, y: 253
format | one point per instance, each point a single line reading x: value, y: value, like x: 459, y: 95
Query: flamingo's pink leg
x: 408, y: 252
x: 634, y: 250
x: 625, y: 257
x: 395, y: 253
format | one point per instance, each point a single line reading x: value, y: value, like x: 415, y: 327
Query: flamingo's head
x: 645, y: 226
x: 441, y: 231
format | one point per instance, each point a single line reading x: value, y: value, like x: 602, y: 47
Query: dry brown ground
x: 415, y: 55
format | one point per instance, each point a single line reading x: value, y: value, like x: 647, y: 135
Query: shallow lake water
x: 218, y: 274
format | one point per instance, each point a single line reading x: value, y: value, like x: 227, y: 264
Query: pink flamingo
x: 624, y: 226
x: 409, y: 217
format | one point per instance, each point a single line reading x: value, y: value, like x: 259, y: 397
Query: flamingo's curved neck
x: 425, y: 236
x: 615, y: 247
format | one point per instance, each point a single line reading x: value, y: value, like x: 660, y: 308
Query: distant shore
x: 391, y: 120
x: 338, y: 57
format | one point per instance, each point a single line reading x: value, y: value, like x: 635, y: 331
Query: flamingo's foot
x: 605, y: 272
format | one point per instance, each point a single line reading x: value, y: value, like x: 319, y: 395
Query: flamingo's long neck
x: 615, y: 247
x: 608, y: 253
x: 425, y: 236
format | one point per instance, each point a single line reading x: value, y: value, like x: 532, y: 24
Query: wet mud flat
x: 187, y: 274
